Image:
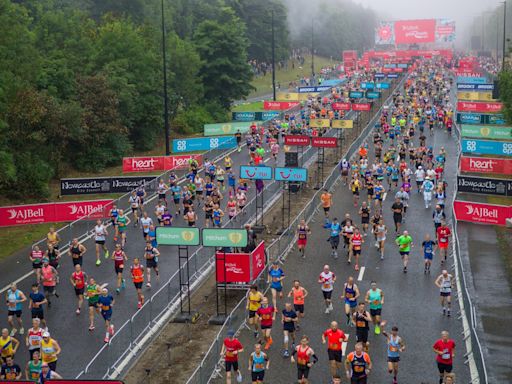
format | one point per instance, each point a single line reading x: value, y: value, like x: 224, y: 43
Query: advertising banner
x: 481, y: 213
x: 342, y: 124
x: 445, y: 30
x: 367, y: 85
x: 486, y: 165
x: 385, y: 33
x: 382, y: 85
x: 486, y: 132
x: 94, y: 185
x: 291, y: 174
x: 471, y: 80
x: 475, y: 96
x: 478, y: 106
x: 356, y: 94
x: 187, y: 236
x: 392, y: 75
x: 259, y: 260
x: 341, y: 106
x: 254, y: 116
x: 381, y: 75
x: 475, y: 87
x: 203, y: 144
x: 74, y: 210
x: 158, y: 163
x: 255, y: 172
x: 180, y: 161
x: 224, y: 237
x: 484, y: 185
x: 415, y: 31
x: 226, y: 128
x: 320, y: 88
x: 475, y: 118
x: 485, y: 147
x: 324, y: 142
x: 235, y: 267
x: 373, y: 95
x: 279, y: 105
x: 297, y: 140
x: 361, y: 106
x: 319, y: 123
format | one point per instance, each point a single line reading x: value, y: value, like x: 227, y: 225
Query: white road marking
x: 384, y: 197
x: 266, y: 160
x: 361, y: 274
x: 344, y: 346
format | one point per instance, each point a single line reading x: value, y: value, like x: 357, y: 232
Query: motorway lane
x: 411, y: 300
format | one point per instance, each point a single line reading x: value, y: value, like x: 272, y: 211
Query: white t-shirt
x: 99, y: 232
x: 146, y: 222
x: 328, y: 281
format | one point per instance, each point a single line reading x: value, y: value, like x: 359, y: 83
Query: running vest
x: 258, y: 362
x: 349, y: 292
x: 114, y: 213
x: 254, y: 301
x: 12, y: 297
x: 37, y: 256
x: 162, y: 189
x: 446, y: 284
x: 438, y: 216
x: 361, y: 322
x: 303, y: 235
x: 6, y: 346
x: 79, y: 279
x: 48, y: 351
x: 358, y: 364
x: 48, y: 277
x: 357, y: 240
x: 375, y: 298
x: 34, y: 370
x: 298, y: 296
x: 302, y: 355
x: 118, y: 257
x: 394, y: 346
x: 92, y: 293
x: 35, y: 338
x: 137, y: 273
x: 99, y: 233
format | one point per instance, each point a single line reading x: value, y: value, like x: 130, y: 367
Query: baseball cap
x: 46, y: 334
x: 231, y: 333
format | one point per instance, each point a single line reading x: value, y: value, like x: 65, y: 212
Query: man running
x: 137, y: 272
x: 398, y: 210
x: 334, y: 238
x: 34, y: 338
x: 93, y: 292
x: 266, y: 315
x: 350, y: 296
x: 326, y: 199
x: 443, y: 234
x: 119, y: 257
x: 327, y: 279
x: 122, y: 223
x: 405, y: 244
x: 299, y: 295
x: 364, y: 212
x: 36, y: 258
x: 254, y: 299
x: 151, y: 255
x: 358, y: 365
x: 306, y: 358
x: 100, y: 236
x: 428, y: 252
x: 275, y: 278
x: 50, y: 279
x: 76, y: 251
x: 302, y: 237
x: 395, y: 345
x: 444, y: 349
x: 146, y: 222
x: 334, y: 337
x: 361, y: 319
x: 78, y: 279
x: 356, y: 243
x: 15, y: 299
x: 231, y: 348
x: 258, y: 364
x: 288, y: 318
x: 375, y: 298
x: 105, y: 303
x: 445, y: 283
x: 134, y: 204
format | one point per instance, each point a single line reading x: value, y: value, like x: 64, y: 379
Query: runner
x: 405, y: 244
x: 114, y: 214
x: 344, y: 169
x: 254, y: 298
x: 266, y: 315
x: 241, y: 200
x: 162, y: 189
x: 48, y: 374
x: 334, y: 337
x: 428, y: 252
x: 358, y: 365
x: 275, y: 279
x: 444, y: 348
x: 50, y: 350
x: 288, y: 318
x: 395, y: 345
x: 238, y: 137
x: 92, y: 293
x: 356, y: 242
x: 34, y: 337
x: 361, y: 320
x: 348, y: 232
x: 76, y: 251
x: 8, y: 345
x: 350, y: 296
x: 36, y: 258
x: 134, y: 204
x: 375, y: 298
x: 364, y: 212
x: 199, y: 184
x: 105, y: 303
x: 302, y: 237
x: 217, y: 214
x: 50, y: 280
x: 78, y: 279
x: 208, y: 211
x: 427, y: 188
x: 443, y: 233
x: 326, y: 199
x: 398, y: 209
x: 334, y: 237
x: 146, y: 221
x: 34, y: 367
x: 122, y: 223
x: 159, y: 212
x: 327, y: 279
x: 15, y: 299
x: 445, y: 283
x: 299, y: 295
x: 151, y: 255
x: 53, y: 256
x: 438, y: 216
x: 420, y: 177
x: 380, y: 233
x: 176, y: 197
x: 355, y: 187
x: 52, y: 238
x: 231, y: 207
x: 100, y: 236
x: 258, y: 363
x: 306, y: 358
x: 137, y: 272
x: 10, y: 370
x: 119, y: 257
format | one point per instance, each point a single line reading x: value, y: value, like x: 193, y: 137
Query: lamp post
x: 312, y: 51
x: 273, y: 60
x: 504, y: 34
x: 166, y: 97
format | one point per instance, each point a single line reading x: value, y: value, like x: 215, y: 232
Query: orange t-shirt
x: 326, y: 200
x: 334, y: 339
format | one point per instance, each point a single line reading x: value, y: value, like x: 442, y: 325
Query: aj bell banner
x: 484, y: 185
x: 95, y: 185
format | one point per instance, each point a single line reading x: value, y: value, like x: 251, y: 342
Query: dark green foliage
x: 505, y: 79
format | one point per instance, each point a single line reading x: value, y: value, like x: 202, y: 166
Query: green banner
x: 226, y: 128
x: 213, y: 237
x: 487, y: 131
x: 177, y: 236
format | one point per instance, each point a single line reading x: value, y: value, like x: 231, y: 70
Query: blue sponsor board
x: 497, y: 119
x: 475, y: 87
x: 389, y: 65
x: 291, y: 174
x: 254, y: 116
x: 356, y: 94
x: 380, y: 75
x: 402, y: 65
x: 203, y: 144
x: 366, y: 85
x: 487, y: 147
x: 320, y: 88
x: 392, y: 75
x: 255, y: 173
x: 382, y: 85
x: 373, y: 95
x: 471, y: 80
x: 476, y: 118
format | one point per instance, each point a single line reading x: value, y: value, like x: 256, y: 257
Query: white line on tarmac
x: 344, y: 346
x: 361, y: 274
x: 384, y: 197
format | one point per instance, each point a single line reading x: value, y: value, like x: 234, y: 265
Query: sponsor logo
x: 143, y: 163
x: 25, y: 214
x: 232, y: 267
x: 481, y: 212
x: 84, y: 209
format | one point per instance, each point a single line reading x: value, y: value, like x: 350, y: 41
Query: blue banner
x: 372, y: 95
x: 320, y: 88
x: 402, y: 65
x: 382, y: 85
x: 366, y: 85
x: 476, y: 118
x: 380, y: 75
x: 255, y: 173
x: 475, y: 87
x: 254, y: 116
x: 392, y: 75
x: 487, y: 147
x: 389, y: 65
x: 471, y: 80
x: 356, y: 94
x: 291, y: 174
x: 203, y: 144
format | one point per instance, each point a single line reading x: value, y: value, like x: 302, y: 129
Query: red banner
x: 481, y: 213
x: 324, y: 142
x: 341, y: 106
x: 361, y: 107
x: 481, y: 107
x: 415, y: 31
x: 486, y: 165
x: 297, y: 140
x: 259, y: 261
x: 158, y: 163
x: 279, y: 105
x: 235, y: 267
x: 180, y: 161
x: 53, y: 212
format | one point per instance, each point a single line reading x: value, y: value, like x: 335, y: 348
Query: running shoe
x: 91, y: 328
x: 148, y: 285
x: 139, y: 305
x: 286, y: 353
x: 377, y: 330
x: 123, y: 285
x: 107, y: 254
x: 111, y: 329
x: 106, y: 339
x: 77, y: 311
x: 22, y: 330
x: 98, y: 262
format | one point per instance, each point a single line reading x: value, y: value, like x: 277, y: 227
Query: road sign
x: 324, y: 142
x: 224, y: 237
x: 177, y: 236
x: 343, y: 124
x: 291, y: 174
x: 255, y: 172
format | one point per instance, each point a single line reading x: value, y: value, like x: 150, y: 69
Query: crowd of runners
x: 404, y: 163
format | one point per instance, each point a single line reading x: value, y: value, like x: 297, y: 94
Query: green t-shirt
x: 375, y: 298
x: 404, y: 242
x: 92, y: 293
x: 34, y: 370
x: 121, y: 222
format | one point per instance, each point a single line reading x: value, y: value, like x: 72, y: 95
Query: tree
x: 222, y: 46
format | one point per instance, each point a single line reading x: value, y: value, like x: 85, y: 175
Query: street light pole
x: 312, y: 50
x: 273, y: 60
x: 504, y: 34
x: 166, y: 97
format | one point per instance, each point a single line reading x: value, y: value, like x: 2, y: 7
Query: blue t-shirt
x: 176, y: 192
x: 37, y: 298
x: 231, y: 179
x: 105, y: 303
x: 291, y: 314
x: 276, y: 274
x: 335, y: 229
x: 428, y: 248
x: 152, y: 236
x: 428, y: 186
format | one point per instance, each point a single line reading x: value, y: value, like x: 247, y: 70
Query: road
x: 411, y: 300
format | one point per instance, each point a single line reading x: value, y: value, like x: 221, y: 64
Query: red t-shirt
x: 447, y: 348
x: 231, y: 346
x: 443, y: 233
x: 333, y: 339
x: 266, y: 315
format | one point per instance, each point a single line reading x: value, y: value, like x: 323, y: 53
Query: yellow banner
x: 319, y: 123
x: 475, y: 96
x: 306, y: 96
x: 294, y: 96
x: 343, y: 124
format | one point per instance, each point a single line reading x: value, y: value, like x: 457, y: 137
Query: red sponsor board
x: 341, y: 106
x: 297, y: 140
x: 486, y: 165
x: 143, y: 164
x: 279, y: 105
x: 259, y: 260
x: 234, y: 268
x: 468, y: 73
x: 415, y: 31
x: 53, y: 212
x: 180, y: 161
x: 445, y: 29
x: 361, y: 106
x: 481, y: 213
x: 481, y: 107
x: 324, y: 142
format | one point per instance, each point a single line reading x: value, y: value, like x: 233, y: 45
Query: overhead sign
x: 297, y: 140
x: 224, y: 237
x: 361, y: 106
x: 484, y: 185
x: 188, y: 236
x: 392, y: 75
x: 279, y: 105
x: 342, y: 124
x: 486, y: 131
x: 367, y: 85
x: 476, y: 118
x: 254, y: 116
x: 381, y: 75
x: 486, y: 147
x: 382, y: 85
x: 226, y: 128
x: 356, y: 94
x: 98, y: 185
x: 476, y: 96
x: 240, y: 268
x: 158, y: 163
x: 481, y: 213
x: 320, y: 88
x: 203, y: 144
x: 479, y: 106
x: 373, y: 95
x: 255, y: 172
x: 486, y: 165
x: 471, y: 80
x: 324, y: 142
x: 341, y: 106
x: 291, y: 174
x: 415, y: 31
x: 319, y: 123
x: 474, y: 87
